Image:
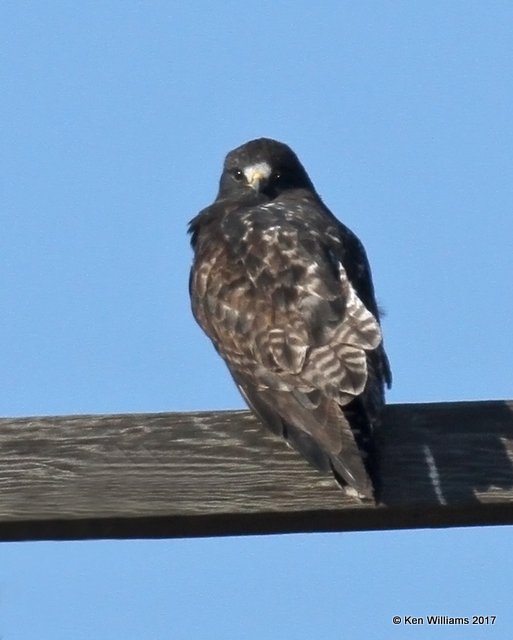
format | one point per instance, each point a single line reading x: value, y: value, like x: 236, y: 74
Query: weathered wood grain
x: 194, y: 474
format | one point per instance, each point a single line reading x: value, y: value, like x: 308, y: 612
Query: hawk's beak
x: 255, y: 180
x: 257, y: 175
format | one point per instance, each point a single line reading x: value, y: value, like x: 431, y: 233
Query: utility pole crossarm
x: 222, y: 473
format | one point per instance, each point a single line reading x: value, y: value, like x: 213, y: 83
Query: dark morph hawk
x: 285, y: 293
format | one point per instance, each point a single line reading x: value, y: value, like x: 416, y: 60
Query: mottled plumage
x: 285, y: 293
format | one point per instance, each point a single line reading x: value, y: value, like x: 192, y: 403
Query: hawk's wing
x: 270, y: 287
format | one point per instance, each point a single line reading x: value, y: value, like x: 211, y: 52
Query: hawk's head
x: 263, y: 166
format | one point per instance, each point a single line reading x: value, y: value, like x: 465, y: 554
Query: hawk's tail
x: 330, y: 437
x: 363, y: 433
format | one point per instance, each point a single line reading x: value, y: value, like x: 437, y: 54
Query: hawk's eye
x: 276, y: 176
x: 238, y: 174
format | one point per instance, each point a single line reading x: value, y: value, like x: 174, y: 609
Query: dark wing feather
x: 270, y: 286
x: 355, y: 261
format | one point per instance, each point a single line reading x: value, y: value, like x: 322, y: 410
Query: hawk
x: 284, y: 291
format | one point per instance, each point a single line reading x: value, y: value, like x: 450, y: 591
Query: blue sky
x: 115, y: 117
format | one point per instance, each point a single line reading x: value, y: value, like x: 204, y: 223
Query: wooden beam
x: 208, y: 474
